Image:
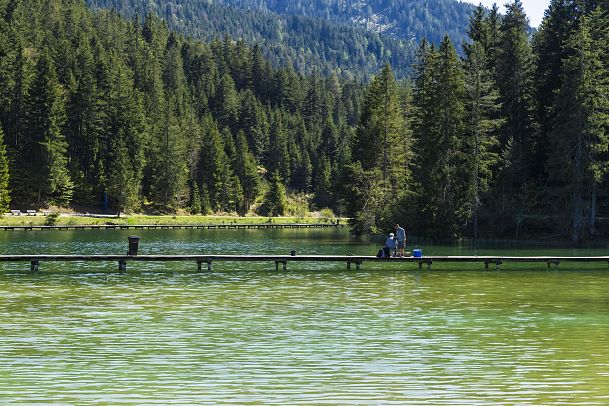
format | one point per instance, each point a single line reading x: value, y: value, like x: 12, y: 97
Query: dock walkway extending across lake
x: 169, y: 226
x: 122, y: 260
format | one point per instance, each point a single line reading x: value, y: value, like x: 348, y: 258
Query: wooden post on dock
x: 122, y: 265
x: 209, y: 265
x: 34, y: 266
x: 199, y: 266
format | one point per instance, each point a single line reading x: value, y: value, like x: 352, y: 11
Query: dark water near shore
x: 319, y: 334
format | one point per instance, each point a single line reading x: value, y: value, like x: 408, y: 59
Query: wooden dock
x: 282, y: 260
x: 169, y: 226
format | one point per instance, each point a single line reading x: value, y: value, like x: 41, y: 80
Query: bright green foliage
x: 275, y: 199
x: 5, y: 198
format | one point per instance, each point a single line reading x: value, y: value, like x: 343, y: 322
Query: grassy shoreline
x: 68, y: 219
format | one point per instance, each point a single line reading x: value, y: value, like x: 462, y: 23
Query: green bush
x: 327, y: 215
x: 51, y: 219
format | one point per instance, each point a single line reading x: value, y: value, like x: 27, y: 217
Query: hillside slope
x: 309, y: 44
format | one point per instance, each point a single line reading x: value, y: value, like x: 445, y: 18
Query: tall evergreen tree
x: 44, y: 150
x: 481, y: 131
x: 323, y: 184
x: 123, y: 187
x: 382, y: 137
x: 275, y: 199
x: 247, y: 172
x: 5, y: 197
x: 278, y: 156
x: 214, y: 167
x: 580, y: 137
x: 439, y: 126
x: 519, y: 138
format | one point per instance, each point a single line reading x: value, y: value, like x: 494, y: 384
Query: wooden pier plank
x: 298, y: 258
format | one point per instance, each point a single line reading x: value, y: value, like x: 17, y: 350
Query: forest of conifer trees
x: 509, y: 139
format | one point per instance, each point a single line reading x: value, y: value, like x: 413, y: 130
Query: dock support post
x: 556, y: 262
x: 285, y: 265
x: 348, y: 265
x: 429, y: 262
x: 122, y: 265
x: 209, y: 265
x: 498, y: 264
x: 34, y: 266
x: 358, y: 265
x: 199, y: 266
x: 485, y: 264
x: 420, y: 264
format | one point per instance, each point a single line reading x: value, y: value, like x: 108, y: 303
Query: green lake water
x: 316, y: 334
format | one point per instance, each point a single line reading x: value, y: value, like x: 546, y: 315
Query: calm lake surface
x: 317, y: 334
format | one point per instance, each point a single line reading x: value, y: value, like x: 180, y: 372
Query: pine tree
x: 5, y: 197
x: 278, y: 156
x: 214, y: 168
x: 481, y: 129
x: 45, y: 145
x: 519, y: 139
x: 579, y: 134
x: 124, y: 118
x: 247, y: 172
x: 323, y: 185
x: 478, y: 30
x: 122, y: 186
x: 381, y: 138
x: 549, y: 47
x: 439, y: 125
x: 365, y: 199
x: 275, y: 199
x: 170, y: 171
x: 195, y: 199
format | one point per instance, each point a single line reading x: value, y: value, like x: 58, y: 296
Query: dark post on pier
x: 134, y: 242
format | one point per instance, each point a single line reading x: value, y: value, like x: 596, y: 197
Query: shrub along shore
x: 81, y: 219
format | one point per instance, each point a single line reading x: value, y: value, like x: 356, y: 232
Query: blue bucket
x: 417, y: 253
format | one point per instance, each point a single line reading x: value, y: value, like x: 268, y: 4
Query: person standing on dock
x: 400, y: 234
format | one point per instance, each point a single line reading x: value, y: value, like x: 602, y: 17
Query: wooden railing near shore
x: 283, y: 260
x: 170, y: 226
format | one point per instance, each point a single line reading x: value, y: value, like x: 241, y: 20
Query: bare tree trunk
x: 593, y: 210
